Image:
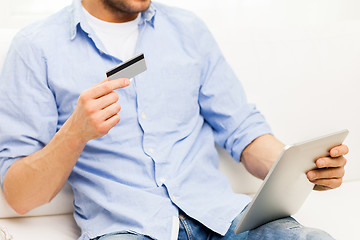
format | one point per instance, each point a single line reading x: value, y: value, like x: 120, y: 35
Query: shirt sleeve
x: 27, y: 105
x: 223, y: 103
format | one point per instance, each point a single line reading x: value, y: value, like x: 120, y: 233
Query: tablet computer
x: 286, y: 186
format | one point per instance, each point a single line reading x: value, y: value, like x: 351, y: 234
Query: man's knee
x: 287, y: 228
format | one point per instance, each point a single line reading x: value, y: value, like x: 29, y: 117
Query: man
x: 152, y: 174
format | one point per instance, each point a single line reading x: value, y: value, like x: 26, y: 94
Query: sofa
x: 334, y: 211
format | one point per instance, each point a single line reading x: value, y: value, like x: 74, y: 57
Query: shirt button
x: 143, y: 116
x: 162, y: 180
x: 151, y: 150
x: 173, y: 198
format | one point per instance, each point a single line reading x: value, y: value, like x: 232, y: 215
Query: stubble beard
x: 122, y: 6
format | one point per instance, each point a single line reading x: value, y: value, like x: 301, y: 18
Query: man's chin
x: 143, y: 5
x: 139, y: 6
x: 128, y: 6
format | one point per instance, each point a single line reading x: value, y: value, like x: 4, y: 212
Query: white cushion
x: 59, y: 227
x: 336, y: 211
x: 61, y: 204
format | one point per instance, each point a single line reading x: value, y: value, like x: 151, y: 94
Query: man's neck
x: 100, y: 11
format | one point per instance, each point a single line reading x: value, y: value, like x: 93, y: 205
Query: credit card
x: 128, y: 69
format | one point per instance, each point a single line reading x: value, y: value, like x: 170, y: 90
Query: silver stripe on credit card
x: 128, y: 69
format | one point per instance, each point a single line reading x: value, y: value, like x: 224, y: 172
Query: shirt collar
x: 149, y: 15
x: 77, y: 17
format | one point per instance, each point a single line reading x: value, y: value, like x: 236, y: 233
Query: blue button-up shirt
x: 161, y: 156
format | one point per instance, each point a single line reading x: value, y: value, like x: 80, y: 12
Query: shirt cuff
x: 248, y: 138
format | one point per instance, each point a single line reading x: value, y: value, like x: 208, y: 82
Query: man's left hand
x: 330, y: 171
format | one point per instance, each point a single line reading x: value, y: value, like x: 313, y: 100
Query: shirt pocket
x: 181, y: 86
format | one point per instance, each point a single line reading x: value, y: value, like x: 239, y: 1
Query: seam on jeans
x: 187, y: 227
x: 113, y: 234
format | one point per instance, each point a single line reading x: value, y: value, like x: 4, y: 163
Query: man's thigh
x: 285, y: 228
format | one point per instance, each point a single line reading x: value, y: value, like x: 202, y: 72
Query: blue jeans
x: 190, y: 229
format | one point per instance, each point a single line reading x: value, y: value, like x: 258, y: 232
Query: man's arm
x: 259, y: 156
x: 34, y: 180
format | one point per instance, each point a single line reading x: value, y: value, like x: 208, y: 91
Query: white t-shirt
x: 119, y: 39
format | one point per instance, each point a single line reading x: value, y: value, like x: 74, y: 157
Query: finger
x: 106, y: 100
x: 110, y: 111
x: 103, y: 81
x: 104, y: 127
x: 112, y: 121
x: 109, y: 86
x: 339, y: 150
x: 317, y: 174
x: 327, y: 162
x: 329, y: 183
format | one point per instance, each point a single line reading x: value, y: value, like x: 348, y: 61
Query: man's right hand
x: 96, y: 111
x: 95, y: 114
